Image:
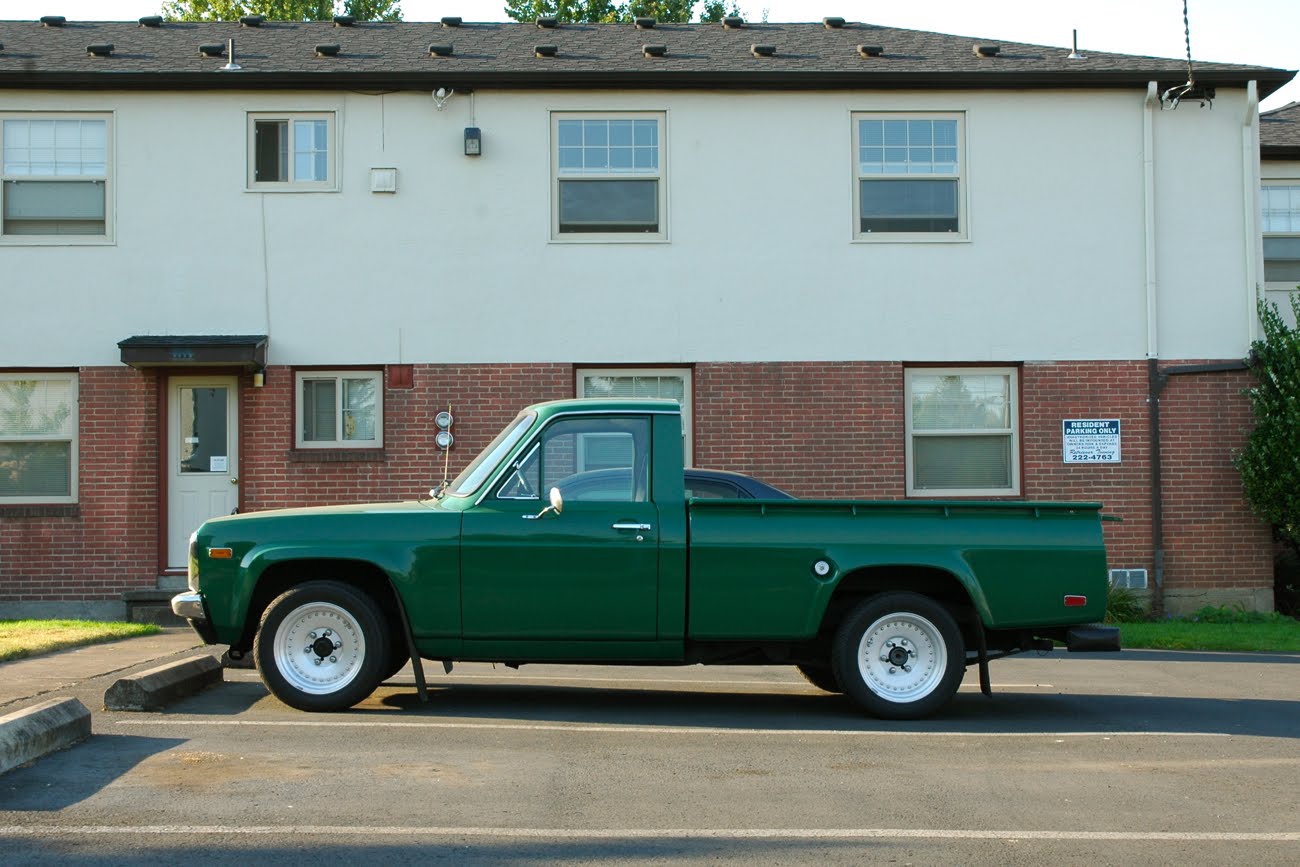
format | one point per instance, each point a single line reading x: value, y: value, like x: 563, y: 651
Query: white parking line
x: 186, y: 831
x: 794, y: 684
x: 579, y: 728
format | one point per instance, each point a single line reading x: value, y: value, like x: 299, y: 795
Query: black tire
x: 899, y: 655
x: 821, y: 676
x: 398, y: 657
x: 293, y: 646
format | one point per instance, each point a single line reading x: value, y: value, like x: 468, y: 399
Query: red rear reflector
x: 1070, y: 601
x: 225, y: 554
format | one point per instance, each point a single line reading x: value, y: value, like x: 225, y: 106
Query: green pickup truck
x: 571, y: 538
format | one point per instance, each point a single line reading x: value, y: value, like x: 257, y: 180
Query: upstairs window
x: 1280, y: 221
x: 608, y: 177
x: 55, y: 176
x: 909, y: 177
x: 340, y: 409
x: 291, y: 152
x: 963, y: 432
x: 38, y: 438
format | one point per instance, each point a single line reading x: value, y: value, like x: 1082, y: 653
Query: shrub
x: 1124, y: 606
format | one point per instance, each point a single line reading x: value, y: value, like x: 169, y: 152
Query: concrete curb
x: 155, y: 688
x: 34, y: 731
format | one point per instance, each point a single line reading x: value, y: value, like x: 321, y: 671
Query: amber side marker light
x: 1070, y: 601
x: 226, y: 554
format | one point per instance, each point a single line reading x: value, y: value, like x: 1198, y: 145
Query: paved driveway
x: 1140, y: 757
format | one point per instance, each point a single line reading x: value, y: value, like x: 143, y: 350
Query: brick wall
x: 108, y: 542
x: 817, y: 429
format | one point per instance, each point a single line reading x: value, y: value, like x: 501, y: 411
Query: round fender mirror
x: 557, y: 500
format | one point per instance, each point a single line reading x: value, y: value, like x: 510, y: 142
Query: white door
x: 202, y: 456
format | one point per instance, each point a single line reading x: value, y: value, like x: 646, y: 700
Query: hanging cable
x: 1171, y: 97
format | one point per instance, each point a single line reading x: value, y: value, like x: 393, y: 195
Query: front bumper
x: 1092, y: 638
x: 190, y: 606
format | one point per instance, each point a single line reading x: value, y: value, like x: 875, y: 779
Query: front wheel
x: 322, y: 646
x: 899, y: 655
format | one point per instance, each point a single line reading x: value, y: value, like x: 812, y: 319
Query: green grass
x: 1230, y: 628
x: 1279, y: 635
x: 22, y: 638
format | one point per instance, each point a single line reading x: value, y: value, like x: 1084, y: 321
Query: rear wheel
x: 820, y: 676
x: 899, y: 655
x: 322, y: 646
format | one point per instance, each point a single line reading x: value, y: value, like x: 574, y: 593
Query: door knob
x: 234, y: 481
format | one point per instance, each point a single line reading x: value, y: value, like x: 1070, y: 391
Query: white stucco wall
x: 760, y: 264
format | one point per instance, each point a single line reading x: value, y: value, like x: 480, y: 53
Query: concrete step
x: 151, y: 605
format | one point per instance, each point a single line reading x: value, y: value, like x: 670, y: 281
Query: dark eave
x: 1279, y: 133
x: 398, y: 56
x: 245, y: 351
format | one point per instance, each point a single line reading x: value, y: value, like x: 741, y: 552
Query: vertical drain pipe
x: 1154, y: 382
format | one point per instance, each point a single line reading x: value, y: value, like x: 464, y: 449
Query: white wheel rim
x: 902, y: 657
x: 303, y: 637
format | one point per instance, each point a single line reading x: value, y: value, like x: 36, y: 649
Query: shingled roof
x: 154, y: 55
x: 1279, y: 133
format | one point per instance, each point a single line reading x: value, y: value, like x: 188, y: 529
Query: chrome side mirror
x: 556, y: 506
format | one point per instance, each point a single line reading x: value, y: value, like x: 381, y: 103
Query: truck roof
x: 605, y: 404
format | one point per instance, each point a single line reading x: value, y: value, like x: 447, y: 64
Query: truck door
x: 588, y: 573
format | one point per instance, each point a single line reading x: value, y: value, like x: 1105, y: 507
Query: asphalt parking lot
x: 1137, y: 757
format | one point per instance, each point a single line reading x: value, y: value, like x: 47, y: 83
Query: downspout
x: 1250, y: 205
x: 1154, y: 383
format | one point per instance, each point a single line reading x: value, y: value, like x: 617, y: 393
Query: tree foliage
x: 281, y: 10
x: 609, y: 12
x: 1270, y: 463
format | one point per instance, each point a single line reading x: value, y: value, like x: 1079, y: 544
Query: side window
x: 963, y: 432
x: 55, y: 175
x: 590, y: 459
x: 38, y: 438
x: 909, y: 170
x: 714, y: 489
x: 672, y: 383
x: 291, y: 152
x: 608, y: 177
x: 1280, y: 222
x: 340, y: 409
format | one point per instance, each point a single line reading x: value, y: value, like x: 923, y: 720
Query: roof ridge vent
x: 871, y: 50
x: 344, y: 20
x: 986, y: 50
x: 833, y: 23
x: 644, y: 23
x: 545, y: 50
x: 151, y: 21
x: 548, y: 22
x: 451, y: 21
x: 100, y: 49
x: 733, y: 22
x: 252, y: 20
x: 762, y: 50
x: 436, y: 50
x: 331, y: 50
x: 654, y: 50
x: 53, y: 20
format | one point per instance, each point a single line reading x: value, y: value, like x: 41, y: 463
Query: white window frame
x: 660, y: 176
x: 581, y: 374
x: 71, y: 437
x: 963, y: 229
x: 106, y: 178
x: 338, y: 376
x: 1293, y: 184
x: 292, y: 184
x: 1013, y: 414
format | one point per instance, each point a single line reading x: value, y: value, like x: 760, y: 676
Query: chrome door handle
x: 621, y: 526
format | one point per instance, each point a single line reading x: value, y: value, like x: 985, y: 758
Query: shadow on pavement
x: 81, y: 771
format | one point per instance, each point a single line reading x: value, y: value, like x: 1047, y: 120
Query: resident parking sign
x: 1090, y: 440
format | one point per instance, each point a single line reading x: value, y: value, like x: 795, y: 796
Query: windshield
x: 482, y: 466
